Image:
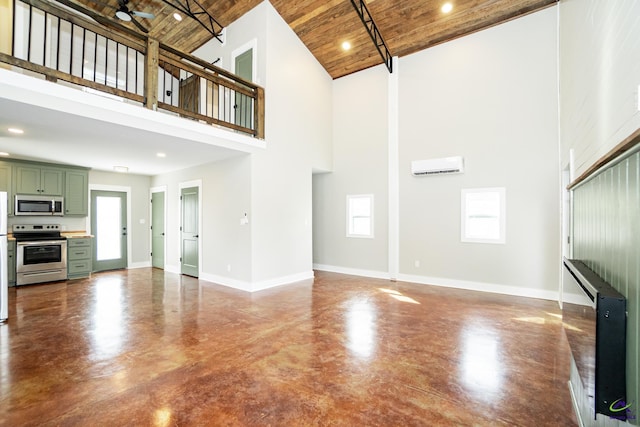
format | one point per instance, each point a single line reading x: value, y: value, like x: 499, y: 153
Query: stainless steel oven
x: 41, y: 254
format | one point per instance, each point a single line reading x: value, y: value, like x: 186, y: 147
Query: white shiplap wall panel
x: 599, y: 76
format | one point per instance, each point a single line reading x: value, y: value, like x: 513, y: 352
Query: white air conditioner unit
x: 438, y: 166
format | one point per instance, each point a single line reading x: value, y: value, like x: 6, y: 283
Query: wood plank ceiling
x: 407, y: 26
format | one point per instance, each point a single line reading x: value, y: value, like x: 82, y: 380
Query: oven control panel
x: 35, y: 228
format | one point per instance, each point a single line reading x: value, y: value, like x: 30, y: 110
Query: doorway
x: 109, y: 227
x: 157, y: 228
x: 190, y: 231
x: 243, y: 107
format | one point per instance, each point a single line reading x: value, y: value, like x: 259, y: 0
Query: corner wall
x: 360, y: 166
x: 298, y: 133
x: 490, y: 97
x: 276, y: 184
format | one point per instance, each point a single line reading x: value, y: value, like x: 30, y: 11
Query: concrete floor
x: 148, y: 348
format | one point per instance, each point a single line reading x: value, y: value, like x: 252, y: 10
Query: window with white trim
x: 360, y: 215
x: 483, y: 215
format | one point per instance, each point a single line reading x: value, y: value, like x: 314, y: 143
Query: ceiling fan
x: 124, y: 14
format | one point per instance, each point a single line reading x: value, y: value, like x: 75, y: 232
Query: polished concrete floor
x: 148, y: 348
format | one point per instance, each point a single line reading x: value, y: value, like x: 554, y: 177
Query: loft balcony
x: 65, y: 47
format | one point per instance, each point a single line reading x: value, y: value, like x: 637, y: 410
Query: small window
x: 483, y: 215
x: 360, y: 216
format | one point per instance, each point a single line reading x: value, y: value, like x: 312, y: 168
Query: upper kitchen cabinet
x: 38, y: 180
x: 47, y: 179
x: 76, y: 192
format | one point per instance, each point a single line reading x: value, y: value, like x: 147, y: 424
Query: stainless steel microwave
x: 39, y: 205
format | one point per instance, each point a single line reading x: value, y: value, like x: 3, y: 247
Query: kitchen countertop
x: 67, y: 234
x: 75, y: 234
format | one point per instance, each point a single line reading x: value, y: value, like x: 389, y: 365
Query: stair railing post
x: 151, y: 74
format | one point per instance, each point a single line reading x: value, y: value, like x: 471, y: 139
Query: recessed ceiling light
x: 16, y: 131
x: 161, y: 155
x: 121, y: 169
x: 177, y: 16
x: 3, y: 153
x: 346, y: 45
x: 446, y: 8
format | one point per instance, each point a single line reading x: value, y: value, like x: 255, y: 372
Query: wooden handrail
x: 204, y: 64
x: 58, y: 75
x: 136, y: 43
x: 238, y: 103
x: 214, y: 78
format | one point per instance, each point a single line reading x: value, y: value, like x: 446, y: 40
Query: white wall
x: 248, y: 31
x: 360, y: 167
x: 599, y: 77
x: 298, y: 133
x: 490, y: 97
x: 226, y: 195
x: 274, y: 185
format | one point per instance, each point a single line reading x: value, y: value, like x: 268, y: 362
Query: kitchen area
x: 43, y: 222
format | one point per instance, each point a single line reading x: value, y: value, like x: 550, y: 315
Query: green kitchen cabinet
x: 11, y: 262
x: 6, y: 172
x: 76, y: 192
x: 38, y: 180
x: 79, y: 257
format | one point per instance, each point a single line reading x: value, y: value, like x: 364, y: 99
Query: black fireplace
x: 596, y: 332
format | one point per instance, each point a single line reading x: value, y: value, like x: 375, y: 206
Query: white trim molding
x: 256, y: 286
x: 446, y: 283
x: 481, y: 286
x: 353, y: 271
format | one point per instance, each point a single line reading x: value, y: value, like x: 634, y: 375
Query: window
x: 483, y: 215
x: 360, y: 216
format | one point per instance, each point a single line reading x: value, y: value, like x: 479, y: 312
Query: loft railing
x: 60, y: 45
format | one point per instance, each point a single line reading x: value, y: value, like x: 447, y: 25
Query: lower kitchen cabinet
x: 79, y: 257
x: 11, y: 262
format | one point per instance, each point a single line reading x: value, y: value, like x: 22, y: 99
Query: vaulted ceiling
x: 406, y: 26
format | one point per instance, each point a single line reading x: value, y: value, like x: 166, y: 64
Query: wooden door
x: 157, y: 230
x: 243, y: 106
x: 190, y: 94
x: 189, y: 230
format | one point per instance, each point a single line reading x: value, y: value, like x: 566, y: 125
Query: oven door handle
x: 42, y: 242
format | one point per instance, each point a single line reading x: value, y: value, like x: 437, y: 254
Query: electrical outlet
x: 416, y: 264
x: 229, y: 268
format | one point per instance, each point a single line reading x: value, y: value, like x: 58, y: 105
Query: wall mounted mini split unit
x: 438, y: 166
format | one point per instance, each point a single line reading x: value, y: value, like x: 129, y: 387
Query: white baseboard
x: 481, y: 286
x: 172, y: 268
x: 226, y: 281
x: 352, y: 271
x: 576, y: 406
x: 256, y: 286
x: 280, y: 281
x: 448, y: 283
x: 139, y: 265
